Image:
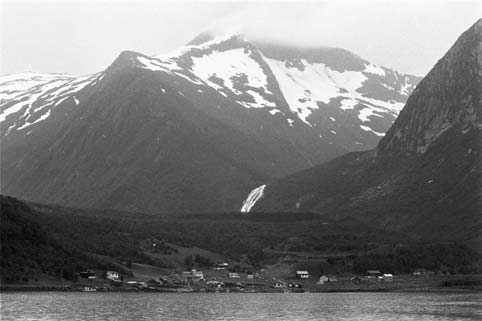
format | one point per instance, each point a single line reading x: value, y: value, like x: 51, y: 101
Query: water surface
x: 72, y: 306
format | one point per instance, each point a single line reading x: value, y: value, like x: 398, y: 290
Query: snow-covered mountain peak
x: 202, y: 41
x: 301, y: 85
x: 208, y: 36
x: 345, y: 100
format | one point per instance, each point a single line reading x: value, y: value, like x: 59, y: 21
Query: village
x: 221, y: 279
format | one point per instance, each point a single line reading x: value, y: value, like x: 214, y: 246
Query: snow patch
x: 60, y: 101
x: 366, y: 112
x: 259, y: 101
x: 348, y: 104
x: 303, y: 89
x: 318, y: 83
x: 368, y: 129
x: 53, y: 90
x: 16, y: 84
x: 44, y: 116
x: 374, y: 69
x: 404, y: 90
x: 29, y: 98
x: 169, y: 67
x: 230, y: 65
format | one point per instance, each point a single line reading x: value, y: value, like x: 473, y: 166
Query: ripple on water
x: 73, y: 306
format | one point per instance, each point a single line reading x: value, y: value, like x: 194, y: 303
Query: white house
x: 388, y: 277
x: 303, y: 274
x: 233, y: 275
x: 112, y: 275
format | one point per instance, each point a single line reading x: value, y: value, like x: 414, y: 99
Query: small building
x: 373, y: 273
x: 323, y: 279
x: 142, y: 284
x: 302, y: 274
x: 420, y: 272
x: 233, y: 275
x: 139, y: 284
x: 326, y: 279
x: 295, y: 285
x: 214, y: 284
x: 356, y: 279
x: 221, y: 266
x: 88, y: 289
x: 112, y: 275
x: 250, y: 276
x: 387, y: 277
x: 193, y: 275
x: 88, y: 274
x: 279, y: 284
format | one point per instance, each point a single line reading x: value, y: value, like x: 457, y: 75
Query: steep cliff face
x: 424, y: 176
x: 449, y: 96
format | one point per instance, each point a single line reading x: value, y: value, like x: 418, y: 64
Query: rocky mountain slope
x: 424, y: 176
x: 193, y: 130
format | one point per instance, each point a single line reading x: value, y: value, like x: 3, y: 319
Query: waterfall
x: 253, y: 197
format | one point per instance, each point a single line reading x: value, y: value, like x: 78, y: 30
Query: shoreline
x: 20, y: 288
x: 402, y: 283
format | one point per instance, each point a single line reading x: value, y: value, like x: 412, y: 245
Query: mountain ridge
x: 432, y: 191
x: 208, y: 124
x: 412, y: 122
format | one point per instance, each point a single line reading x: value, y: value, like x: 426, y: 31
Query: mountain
x: 193, y: 130
x: 423, y: 178
x: 347, y: 101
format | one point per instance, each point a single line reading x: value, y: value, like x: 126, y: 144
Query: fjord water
x: 74, y: 306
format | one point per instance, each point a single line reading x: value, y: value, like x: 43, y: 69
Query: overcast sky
x: 85, y: 36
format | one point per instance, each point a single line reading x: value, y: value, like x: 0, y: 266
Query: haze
x: 82, y: 37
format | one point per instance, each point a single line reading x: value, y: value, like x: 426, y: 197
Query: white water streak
x: 253, y: 197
